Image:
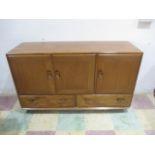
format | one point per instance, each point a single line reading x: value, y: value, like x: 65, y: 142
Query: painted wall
x: 13, y: 32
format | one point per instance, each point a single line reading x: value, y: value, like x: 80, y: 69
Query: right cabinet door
x: 116, y: 73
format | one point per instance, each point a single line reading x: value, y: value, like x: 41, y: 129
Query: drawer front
x: 47, y: 101
x: 104, y: 100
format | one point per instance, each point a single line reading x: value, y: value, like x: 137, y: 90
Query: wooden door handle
x: 49, y: 74
x: 57, y: 75
x: 99, y: 74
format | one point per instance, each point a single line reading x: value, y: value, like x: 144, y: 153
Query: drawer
x: 47, y: 101
x: 104, y: 100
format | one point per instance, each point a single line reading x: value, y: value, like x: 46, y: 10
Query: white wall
x: 13, y: 32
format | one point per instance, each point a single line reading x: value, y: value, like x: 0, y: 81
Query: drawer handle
x: 61, y: 101
x: 100, y: 74
x: 57, y: 75
x: 120, y: 99
x: 32, y: 99
x: 88, y: 100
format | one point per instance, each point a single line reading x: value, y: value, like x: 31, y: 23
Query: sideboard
x: 75, y: 75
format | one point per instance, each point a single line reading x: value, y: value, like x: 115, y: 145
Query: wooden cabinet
x: 75, y: 75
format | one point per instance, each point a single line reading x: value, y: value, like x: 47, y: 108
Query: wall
x: 13, y: 32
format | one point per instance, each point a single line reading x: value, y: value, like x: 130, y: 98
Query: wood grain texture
x: 47, y: 101
x: 106, y: 100
x: 32, y: 74
x: 75, y: 47
x: 74, y: 73
x: 116, y: 73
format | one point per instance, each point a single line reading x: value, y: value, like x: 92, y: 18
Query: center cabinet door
x: 74, y: 73
x: 116, y: 73
x: 33, y: 74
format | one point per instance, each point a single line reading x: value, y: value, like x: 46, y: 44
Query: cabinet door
x: 32, y: 74
x: 116, y: 73
x: 74, y: 73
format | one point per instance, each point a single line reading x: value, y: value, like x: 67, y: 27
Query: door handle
x: 100, y: 74
x: 57, y: 75
x: 50, y: 74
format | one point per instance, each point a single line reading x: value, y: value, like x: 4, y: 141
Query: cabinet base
x: 77, y: 109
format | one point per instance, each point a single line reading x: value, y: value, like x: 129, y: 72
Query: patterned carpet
x: 137, y: 120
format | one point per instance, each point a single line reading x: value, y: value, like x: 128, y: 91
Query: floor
x: 139, y: 119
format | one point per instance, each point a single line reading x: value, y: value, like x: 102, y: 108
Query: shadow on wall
x: 8, y: 87
x: 150, y: 77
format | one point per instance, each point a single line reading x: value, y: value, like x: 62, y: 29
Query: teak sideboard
x: 75, y: 75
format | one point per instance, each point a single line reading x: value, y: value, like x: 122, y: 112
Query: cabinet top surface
x: 75, y: 47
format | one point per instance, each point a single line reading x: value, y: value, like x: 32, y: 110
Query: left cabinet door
x: 32, y: 74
